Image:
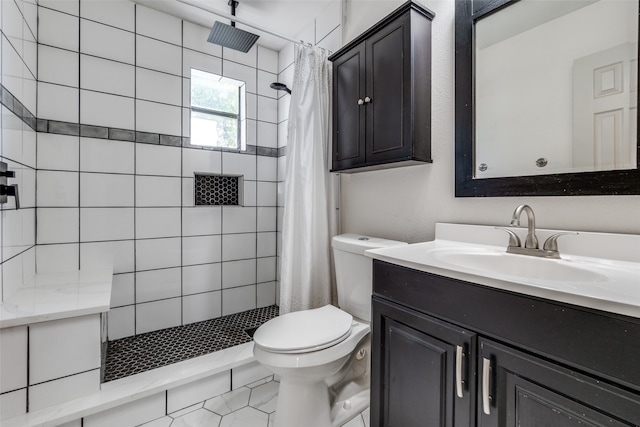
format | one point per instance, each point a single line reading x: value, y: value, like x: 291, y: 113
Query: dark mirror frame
x: 620, y: 182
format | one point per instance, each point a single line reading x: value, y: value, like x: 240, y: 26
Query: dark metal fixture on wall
x: 5, y: 189
x: 280, y: 86
x: 231, y: 37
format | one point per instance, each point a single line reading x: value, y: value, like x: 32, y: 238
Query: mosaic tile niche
x: 217, y: 190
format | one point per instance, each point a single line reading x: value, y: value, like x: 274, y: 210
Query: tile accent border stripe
x: 16, y: 107
x: 102, y: 132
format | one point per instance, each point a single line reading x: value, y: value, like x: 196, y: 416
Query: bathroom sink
x: 569, y: 273
x: 602, y: 283
x: 524, y: 267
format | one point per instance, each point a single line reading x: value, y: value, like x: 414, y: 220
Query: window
x: 217, y: 111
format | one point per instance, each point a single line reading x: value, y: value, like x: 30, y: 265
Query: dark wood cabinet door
x: 387, y: 69
x: 389, y: 78
x: 527, y: 391
x: 420, y: 370
x: 348, y: 115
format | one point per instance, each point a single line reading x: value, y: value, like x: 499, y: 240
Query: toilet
x: 322, y: 355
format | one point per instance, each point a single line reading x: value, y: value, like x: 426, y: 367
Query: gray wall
x: 406, y: 203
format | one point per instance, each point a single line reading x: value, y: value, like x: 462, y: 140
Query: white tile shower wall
x: 46, y: 363
x: 130, y: 205
x: 13, y: 358
x: 63, y: 347
x: 18, y: 74
x: 63, y: 389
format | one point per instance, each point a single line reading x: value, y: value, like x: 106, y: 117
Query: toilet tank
x: 354, y: 271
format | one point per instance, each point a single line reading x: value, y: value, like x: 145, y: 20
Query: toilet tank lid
x: 358, y: 243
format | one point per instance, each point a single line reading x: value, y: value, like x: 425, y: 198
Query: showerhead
x: 231, y: 37
x: 280, y: 86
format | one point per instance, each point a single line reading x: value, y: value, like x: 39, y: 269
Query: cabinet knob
x: 360, y: 102
x: 367, y: 99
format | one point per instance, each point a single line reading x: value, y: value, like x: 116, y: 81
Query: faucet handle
x: 551, y: 244
x: 514, y: 240
x: 10, y: 190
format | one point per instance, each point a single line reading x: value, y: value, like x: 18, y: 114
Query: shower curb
x: 130, y: 389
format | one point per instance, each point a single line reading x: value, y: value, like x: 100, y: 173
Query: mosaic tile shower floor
x: 253, y: 405
x: 140, y: 353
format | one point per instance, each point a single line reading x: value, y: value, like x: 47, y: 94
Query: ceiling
x: 287, y: 17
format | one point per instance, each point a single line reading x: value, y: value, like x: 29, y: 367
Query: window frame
x: 239, y: 117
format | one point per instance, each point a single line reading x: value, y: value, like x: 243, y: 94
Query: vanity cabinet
x: 527, y: 361
x: 518, y: 389
x: 423, y: 375
x: 382, y: 94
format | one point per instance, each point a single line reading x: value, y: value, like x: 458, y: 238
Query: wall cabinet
x: 460, y: 354
x: 382, y: 94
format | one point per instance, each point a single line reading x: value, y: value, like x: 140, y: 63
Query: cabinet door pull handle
x: 367, y: 99
x: 486, y: 373
x: 459, y: 381
x: 360, y: 102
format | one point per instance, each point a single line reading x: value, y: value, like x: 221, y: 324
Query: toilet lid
x: 304, y: 331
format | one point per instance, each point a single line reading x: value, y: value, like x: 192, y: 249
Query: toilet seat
x: 304, y: 331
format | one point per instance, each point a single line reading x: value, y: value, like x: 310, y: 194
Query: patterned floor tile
x: 231, y: 410
x: 245, y: 417
x: 229, y: 402
x: 356, y: 422
x: 366, y: 416
x: 265, y: 397
x: 199, y: 418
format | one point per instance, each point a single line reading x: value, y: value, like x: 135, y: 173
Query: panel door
x: 348, y: 112
x: 605, y: 93
x: 389, y: 92
x: 520, y: 390
x: 420, y: 374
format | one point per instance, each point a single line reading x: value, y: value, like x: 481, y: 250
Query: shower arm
x: 233, y: 4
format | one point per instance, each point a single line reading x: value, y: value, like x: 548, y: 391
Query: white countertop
x: 619, y: 293
x: 55, y: 296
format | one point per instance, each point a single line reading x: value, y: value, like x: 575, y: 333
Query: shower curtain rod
x: 242, y: 21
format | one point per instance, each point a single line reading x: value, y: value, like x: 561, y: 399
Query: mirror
x: 554, y: 88
x: 546, y: 97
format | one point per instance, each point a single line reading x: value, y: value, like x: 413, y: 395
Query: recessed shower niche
x: 218, y: 190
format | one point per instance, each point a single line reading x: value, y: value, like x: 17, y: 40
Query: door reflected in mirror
x: 556, y: 88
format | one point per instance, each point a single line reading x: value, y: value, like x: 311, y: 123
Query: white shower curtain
x: 309, y: 211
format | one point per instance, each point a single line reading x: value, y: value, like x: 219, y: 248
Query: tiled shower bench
x: 52, y: 332
x: 51, y: 340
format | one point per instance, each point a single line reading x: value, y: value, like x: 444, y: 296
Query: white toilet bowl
x: 321, y: 356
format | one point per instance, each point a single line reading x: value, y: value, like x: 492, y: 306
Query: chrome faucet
x: 531, y: 247
x: 531, y: 240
